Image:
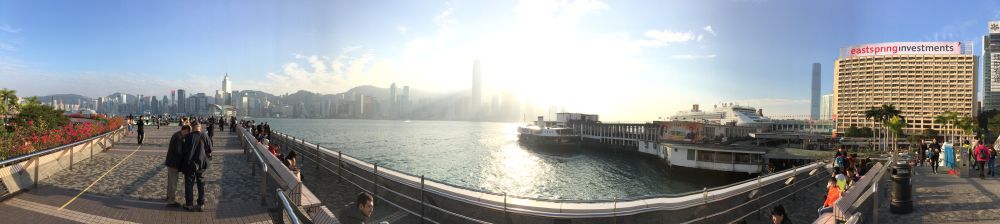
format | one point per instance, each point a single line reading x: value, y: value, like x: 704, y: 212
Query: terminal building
x: 922, y: 79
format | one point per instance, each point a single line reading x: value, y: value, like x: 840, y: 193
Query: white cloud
x: 8, y: 28
x: 690, y: 56
x: 323, y: 74
x: 402, y: 29
x: 7, y: 47
x: 710, y: 30
x: 659, y: 38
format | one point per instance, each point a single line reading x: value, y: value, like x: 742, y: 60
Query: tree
x: 874, y: 114
x: 946, y: 119
x: 895, y: 124
x: 36, y: 115
x: 853, y: 131
x: 929, y: 133
x: 865, y: 131
x: 8, y: 103
x: 965, y: 125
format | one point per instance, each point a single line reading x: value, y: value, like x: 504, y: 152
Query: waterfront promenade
x: 127, y: 184
x: 942, y: 198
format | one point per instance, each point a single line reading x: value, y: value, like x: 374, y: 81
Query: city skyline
x: 650, y: 58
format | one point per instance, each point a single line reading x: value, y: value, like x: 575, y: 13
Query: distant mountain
x: 65, y: 98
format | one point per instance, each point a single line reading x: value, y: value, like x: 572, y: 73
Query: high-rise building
x: 227, y: 85
x: 826, y: 107
x: 991, y: 62
x: 477, y: 87
x: 392, y: 94
x: 815, y: 104
x: 181, y: 101
x: 921, y: 79
x: 227, y: 91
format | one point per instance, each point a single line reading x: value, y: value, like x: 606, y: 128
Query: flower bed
x: 28, y: 138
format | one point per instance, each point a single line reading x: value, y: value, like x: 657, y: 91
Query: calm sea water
x: 486, y: 156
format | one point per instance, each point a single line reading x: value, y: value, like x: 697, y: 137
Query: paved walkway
x: 942, y: 198
x: 134, y: 191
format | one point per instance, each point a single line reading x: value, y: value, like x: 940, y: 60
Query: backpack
x: 984, y: 153
x: 839, y: 161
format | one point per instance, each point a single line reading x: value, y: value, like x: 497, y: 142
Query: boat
x: 548, y: 134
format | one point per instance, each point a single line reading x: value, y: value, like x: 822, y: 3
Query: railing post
x: 317, y: 157
x: 340, y: 159
x: 71, y: 157
x: 263, y: 185
x: 422, y: 217
x: 36, y: 172
x: 506, y: 216
x: 614, y: 211
x: 375, y: 181
x: 704, y: 193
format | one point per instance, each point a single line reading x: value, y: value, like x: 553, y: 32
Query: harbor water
x: 486, y: 156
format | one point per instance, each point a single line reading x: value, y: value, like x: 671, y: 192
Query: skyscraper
x: 181, y: 101
x: 814, y: 104
x: 227, y: 91
x: 477, y: 87
x: 227, y: 85
x: 826, y: 107
x: 991, y: 62
x: 392, y: 94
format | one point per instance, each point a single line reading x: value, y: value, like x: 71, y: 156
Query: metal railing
x: 287, y: 206
x: 317, y: 152
x: 250, y: 145
x: 37, y: 154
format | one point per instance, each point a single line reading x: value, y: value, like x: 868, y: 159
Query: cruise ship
x: 727, y: 114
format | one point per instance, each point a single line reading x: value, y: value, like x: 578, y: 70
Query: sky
x: 624, y: 60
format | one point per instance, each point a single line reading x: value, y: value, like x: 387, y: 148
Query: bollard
x: 902, y: 202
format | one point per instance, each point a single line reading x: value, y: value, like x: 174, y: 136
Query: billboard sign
x: 901, y: 48
x: 994, y: 27
x: 994, y: 71
x: 681, y: 131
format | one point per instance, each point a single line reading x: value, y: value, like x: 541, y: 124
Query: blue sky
x: 626, y: 60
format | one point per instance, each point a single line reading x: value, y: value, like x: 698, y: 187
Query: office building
x: 922, y: 80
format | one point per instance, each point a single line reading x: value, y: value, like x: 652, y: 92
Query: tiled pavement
x: 943, y: 198
x: 134, y: 192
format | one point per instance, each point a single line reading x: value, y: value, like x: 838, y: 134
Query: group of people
x: 847, y: 169
x: 930, y: 153
x: 984, y: 156
x: 189, y: 152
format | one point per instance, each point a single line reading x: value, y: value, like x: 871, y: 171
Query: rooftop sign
x: 902, y: 48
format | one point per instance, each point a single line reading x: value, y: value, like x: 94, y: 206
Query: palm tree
x: 966, y: 125
x: 944, y: 120
x: 874, y: 114
x: 895, y: 124
x: 8, y: 102
x: 31, y: 101
x: 887, y: 111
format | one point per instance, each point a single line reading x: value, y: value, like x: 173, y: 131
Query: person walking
x: 934, y: 155
x: 129, y: 121
x: 140, y: 130
x: 211, y: 128
x: 922, y: 154
x: 982, y: 154
x: 173, y: 163
x: 198, y: 149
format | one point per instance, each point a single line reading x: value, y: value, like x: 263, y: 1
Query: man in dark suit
x: 197, y: 152
x: 173, y: 163
x: 141, y: 130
